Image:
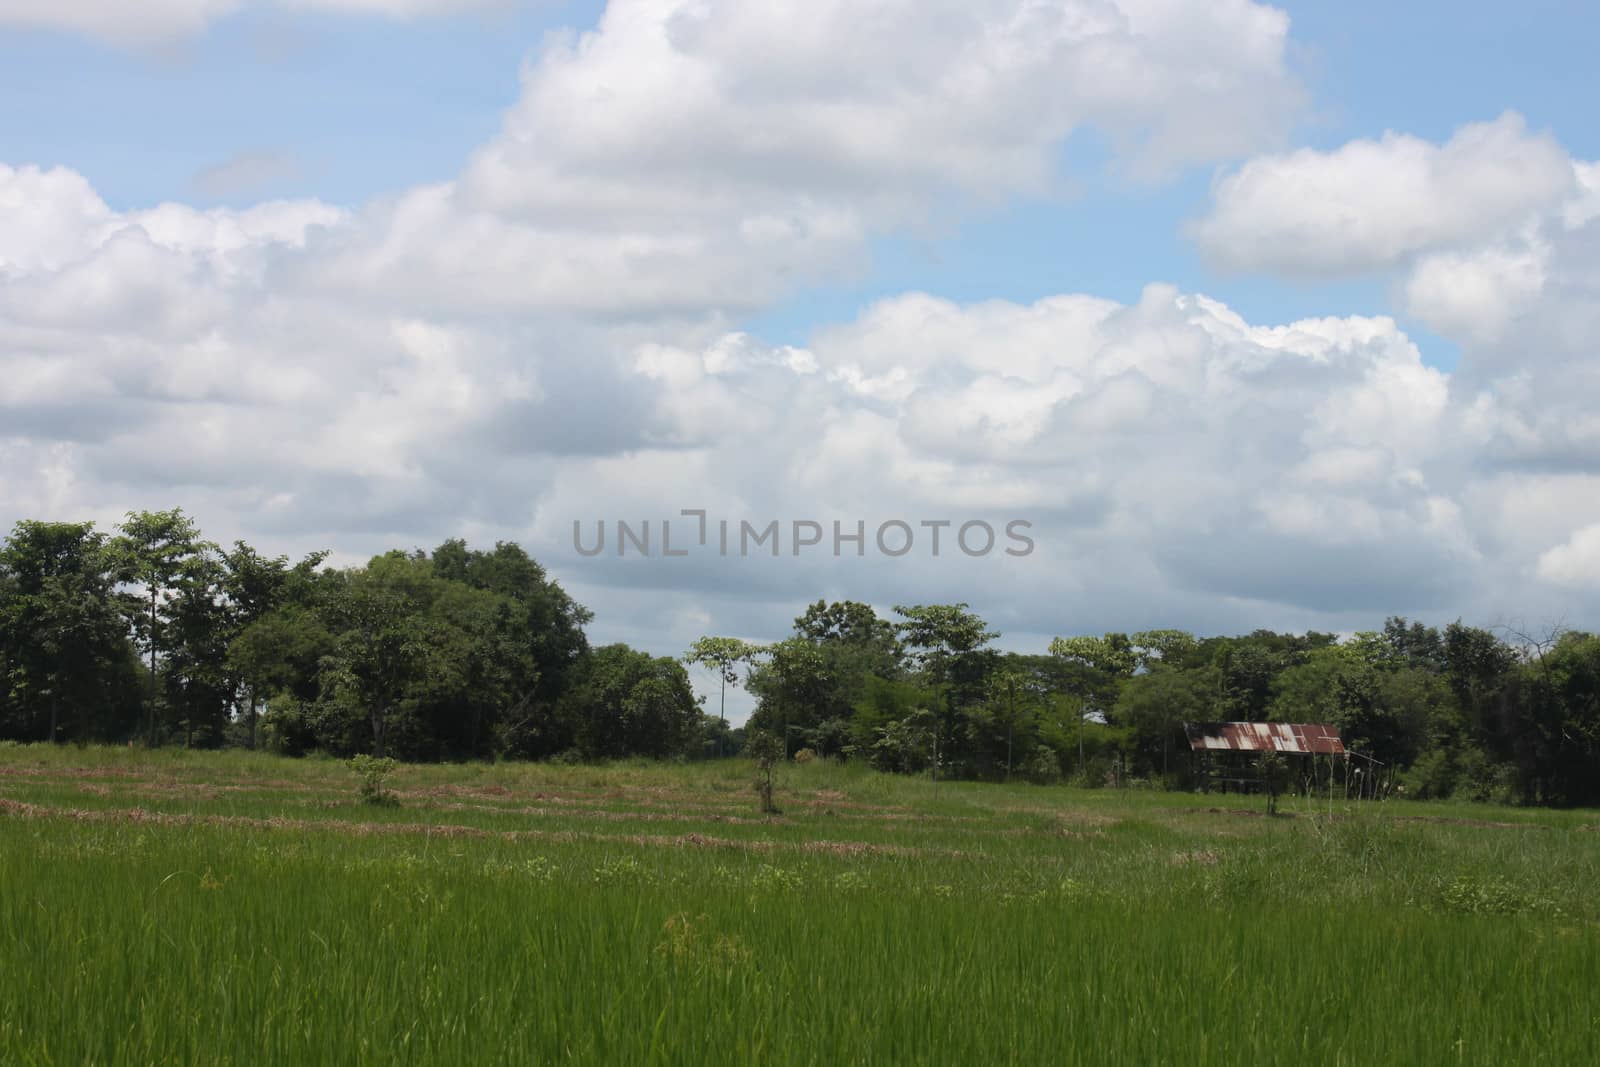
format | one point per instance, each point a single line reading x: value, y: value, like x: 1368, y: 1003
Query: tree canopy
x: 152, y: 633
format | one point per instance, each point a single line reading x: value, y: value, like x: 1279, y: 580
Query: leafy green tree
x: 950, y: 647
x: 1154, y: 705
x: 626, y: 703
x: 765, y: 751
x: 159, y: 554
x: 724, y: 655
x: 1094, y: 669
x: 1175, y: 649
x: 550, y: 624
x: 63, y: 643
x: 257, y: 589
x: 1009, y: 713
x: 820, y: 674
x: 1274, y: 772
x: 278, y: 657
x: 380, y: 644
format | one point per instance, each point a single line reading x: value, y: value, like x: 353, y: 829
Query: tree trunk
x: 151, y: 712
x: 54, y: 713
x: 250, y: 695
x: 378, y: 716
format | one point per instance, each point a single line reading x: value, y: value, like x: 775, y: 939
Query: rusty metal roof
x: 1303, y: 737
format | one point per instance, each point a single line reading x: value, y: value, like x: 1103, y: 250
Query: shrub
x: 1043, y: 766
x: 372, y: 772
x: 805, y: 755
x: 764, y: 750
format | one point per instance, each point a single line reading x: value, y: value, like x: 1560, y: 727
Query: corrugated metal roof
x: 1302, y: 737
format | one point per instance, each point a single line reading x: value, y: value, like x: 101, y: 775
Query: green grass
x: 233, y: 908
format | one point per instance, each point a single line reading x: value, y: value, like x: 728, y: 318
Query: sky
x: 1255, y: 316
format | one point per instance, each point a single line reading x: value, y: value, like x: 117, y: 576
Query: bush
x: 764, y: 750
x: 1043, y: 766
x: 372, y: 772
x: 805, y: 755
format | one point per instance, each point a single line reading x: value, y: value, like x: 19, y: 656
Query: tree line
x: 151, y: 634
x: 155, y: 635
x: 1462, y: 711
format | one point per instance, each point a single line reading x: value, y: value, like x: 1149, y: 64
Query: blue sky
x: 501, y: 281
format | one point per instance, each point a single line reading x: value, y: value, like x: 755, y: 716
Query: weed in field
x: 1492, y: 896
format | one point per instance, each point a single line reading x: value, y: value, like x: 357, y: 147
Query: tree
x: 626, y: 702
x: 257, y: 588
x: 1274, y: 771
x: 65, y: 648
x: 723, y: 655
x: 279, y: 655
x: 950, y: 646
x: 764, y: 750
x: 1096, y: 666
x: 1013, y: 700
x: 156, y: 552
x: 379, y: 645
x: 820, y: 674
x: 1155, y: 705
x: 551, y: 625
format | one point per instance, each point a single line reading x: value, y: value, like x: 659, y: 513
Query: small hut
x: 1225, y: 752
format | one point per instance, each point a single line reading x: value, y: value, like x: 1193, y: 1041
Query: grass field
x: 178, y: 907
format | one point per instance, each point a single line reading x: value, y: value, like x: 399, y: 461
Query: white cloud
x: 548, y: 337
x: 1476, y: 294
x: 1179, y: 462
x: 1492, y: 240
x: 712, y: 155
x: 1575, y: 561
x: 799, y: 107
x: 1370, y: 205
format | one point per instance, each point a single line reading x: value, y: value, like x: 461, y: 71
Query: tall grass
x: 555, y: 918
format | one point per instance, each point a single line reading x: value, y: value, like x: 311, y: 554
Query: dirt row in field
x: 140, y: 816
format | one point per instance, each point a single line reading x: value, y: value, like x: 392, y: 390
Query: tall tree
x: 256, y: 587
x: 815, y: 679
x: 627, y: 702
x: 555, y: 622
x: 155, y: 552
x: 950, y: 646
x: 724, y: 655
x: 1096, y: 666
x: 64, y: 644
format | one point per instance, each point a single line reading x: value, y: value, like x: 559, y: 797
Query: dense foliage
x: 1458, y: 712
x: 157, y: 635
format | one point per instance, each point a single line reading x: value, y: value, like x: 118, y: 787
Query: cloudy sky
x: 1260, y: 315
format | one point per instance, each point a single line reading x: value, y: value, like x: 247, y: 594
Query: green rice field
x: 231, y: 908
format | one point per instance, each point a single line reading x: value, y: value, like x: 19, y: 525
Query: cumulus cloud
x: 717, y: 155
x: 1575, y: 561
x: 1178, y: 462
x: 549, y: 337
x: 1370, y: 205
x: 174, y: 353
x: 1492, y: 240
x: 725, y: 102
